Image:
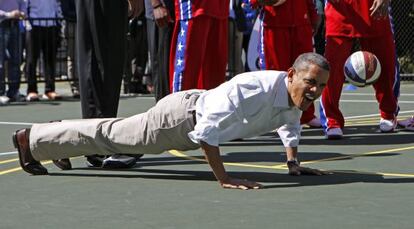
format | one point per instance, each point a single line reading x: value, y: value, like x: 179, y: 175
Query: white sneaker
x: 408, y: 124
x: 334, y: 133
x: 387, y: 126
x: 4, y: 100
x: 314, y: 123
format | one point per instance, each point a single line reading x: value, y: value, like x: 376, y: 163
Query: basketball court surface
x: 372, y: 184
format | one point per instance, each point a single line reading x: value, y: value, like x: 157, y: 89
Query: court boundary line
x: 8, y: 153
x: 284, y: 167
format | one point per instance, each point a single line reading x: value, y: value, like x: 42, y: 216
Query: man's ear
x: 290, y: 73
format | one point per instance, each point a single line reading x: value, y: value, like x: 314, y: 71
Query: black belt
x: 193, y: 112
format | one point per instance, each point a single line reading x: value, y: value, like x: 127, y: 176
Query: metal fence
x: 403, y: 17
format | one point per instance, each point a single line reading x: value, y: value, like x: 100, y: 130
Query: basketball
x: 362, y: 68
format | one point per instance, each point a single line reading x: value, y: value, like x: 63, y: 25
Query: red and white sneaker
x: 334, y: 133
x: 387, y: 125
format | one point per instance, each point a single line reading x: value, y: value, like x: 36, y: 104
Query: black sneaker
x: 95, y: 160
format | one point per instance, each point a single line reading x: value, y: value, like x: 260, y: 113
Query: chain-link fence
x: 403, y: 17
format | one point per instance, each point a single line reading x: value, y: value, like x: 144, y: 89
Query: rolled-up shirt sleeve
x: 290, y: 132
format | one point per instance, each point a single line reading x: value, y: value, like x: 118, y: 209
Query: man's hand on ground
x: 234, y: 183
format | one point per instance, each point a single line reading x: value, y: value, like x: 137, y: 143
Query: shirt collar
x: 282, y: 97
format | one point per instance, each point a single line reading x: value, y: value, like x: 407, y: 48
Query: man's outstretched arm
x: 212, y: 154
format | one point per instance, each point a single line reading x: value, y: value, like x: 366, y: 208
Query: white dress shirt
x: 249, y: 105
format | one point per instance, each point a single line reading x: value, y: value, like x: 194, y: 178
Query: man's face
x: 306, y: 86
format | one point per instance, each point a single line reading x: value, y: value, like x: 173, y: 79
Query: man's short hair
x: 303, y: 61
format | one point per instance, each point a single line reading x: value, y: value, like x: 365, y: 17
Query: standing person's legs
x: 162, y: 82
x: 101, y: 37
x: 387, y: 86
x: 85, y: 58
x: 101, y: 52
x: 331, y: 115
x: 301, y: 42
x: 4, y: 37
x: 32, y: 55
x: 142, y: 82
x: 108, y: 21
x: 213, y: 67
x: 14, y: 63
x: 70, y: 33
x: 277, y: 48
x: 152, y: 41
x: 235, y: 42
x: 49, y: 44
x: 188, y: 51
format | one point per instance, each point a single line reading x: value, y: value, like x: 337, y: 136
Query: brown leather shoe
x: 27, y: 162
x: 63, y: 164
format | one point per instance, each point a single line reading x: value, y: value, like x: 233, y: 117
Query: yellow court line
x: 376, y: 173
x: 376, y: 118
x: 19, y: 168
x: 358, y: 155
x: 283, y: 166
x: 8, y: 161
x: 10, y: 170
x: 180, y: 154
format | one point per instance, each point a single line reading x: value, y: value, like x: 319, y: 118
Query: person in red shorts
x: 370, y: 23
x: 287, y: 29
x: 198, y: 54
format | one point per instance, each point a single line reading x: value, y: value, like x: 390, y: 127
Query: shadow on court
x: 280, y: 180
x: 357, y: 135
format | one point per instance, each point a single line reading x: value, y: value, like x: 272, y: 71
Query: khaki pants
x: 163, y: 127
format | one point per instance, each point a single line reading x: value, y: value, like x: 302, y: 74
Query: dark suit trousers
x: 101, y: 42
x: 159, y: 40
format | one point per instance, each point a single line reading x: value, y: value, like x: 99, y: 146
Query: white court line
x: 376, y: 114
x: 8, y: 153
x: 373, y: 93
x: 370, y: 101
x: 17, y: 123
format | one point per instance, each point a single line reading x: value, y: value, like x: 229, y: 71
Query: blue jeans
x: 10, y: 50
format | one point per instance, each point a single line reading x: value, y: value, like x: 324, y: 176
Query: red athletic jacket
x: 289, y: 14
x: 187, y: 9
x: 351, y: 18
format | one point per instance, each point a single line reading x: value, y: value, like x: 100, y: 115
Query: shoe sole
x: 334, y: 137
x: 16, y: 145
x: 118, y: 165
x: 61, y: 166
x: 388, y: 131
